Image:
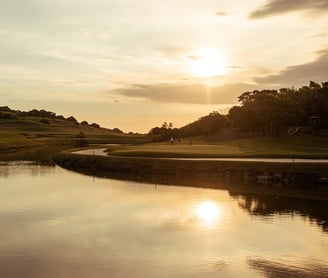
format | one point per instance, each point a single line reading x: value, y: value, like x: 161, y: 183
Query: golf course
x: 264, y: 147
x: 43, y: 136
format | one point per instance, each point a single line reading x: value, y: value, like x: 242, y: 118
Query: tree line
x: 10, y: 114
x: 265, y: 112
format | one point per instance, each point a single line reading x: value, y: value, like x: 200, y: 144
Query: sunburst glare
x: 207, y: 63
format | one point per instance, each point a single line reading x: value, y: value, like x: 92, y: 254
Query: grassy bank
x: 271, y: 147
x: 142, y: 163
x: 21, y: 133
x: 285, y: 174
x: 43, y: 153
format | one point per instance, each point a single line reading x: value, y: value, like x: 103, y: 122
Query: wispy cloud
x: 300, y: 74
x: 319, y: 35
x: 220, y: 13
x: 103, y: 46
x: 275, y: 7
x: 187, y: 93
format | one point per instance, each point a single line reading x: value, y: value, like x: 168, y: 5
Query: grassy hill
x: 39, y: 127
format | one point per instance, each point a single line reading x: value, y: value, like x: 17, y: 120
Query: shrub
x: 7, y: 116
x: 95, y: 125
x: 45, y: 121
x: 72, y: 119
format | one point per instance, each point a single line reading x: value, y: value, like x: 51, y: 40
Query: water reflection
x: 62, y: 224
x: 283, y: 269
x: 316, y: 211
x: 41, y: 154
x: 33, y: 168
x: 208, y: 212
x: 257, y: 199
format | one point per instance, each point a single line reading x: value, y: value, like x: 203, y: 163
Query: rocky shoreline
x: 279, y: 174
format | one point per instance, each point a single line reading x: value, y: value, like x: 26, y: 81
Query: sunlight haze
x: 135, y: 64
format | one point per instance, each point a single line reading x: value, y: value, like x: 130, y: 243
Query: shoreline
x: 282, y: 174
x: 103, y: 152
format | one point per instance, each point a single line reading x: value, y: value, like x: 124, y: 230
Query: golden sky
x: 134, y: 64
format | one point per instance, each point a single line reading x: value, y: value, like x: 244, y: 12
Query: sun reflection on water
x: 208, y: 213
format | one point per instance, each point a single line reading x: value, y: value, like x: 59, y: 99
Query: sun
x: 207, y: 63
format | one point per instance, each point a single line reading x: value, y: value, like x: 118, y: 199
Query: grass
x: 141, y: 163
x: 25, y: 132
x: 38, y: 153
x: 30, y: 132
x: 270, y: 147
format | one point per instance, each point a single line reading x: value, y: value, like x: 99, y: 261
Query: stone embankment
x: 284, y: 174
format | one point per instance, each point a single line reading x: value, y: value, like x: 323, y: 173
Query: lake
x: 56, y: 223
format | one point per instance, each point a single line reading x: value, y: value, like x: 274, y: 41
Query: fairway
x: 271, y: 147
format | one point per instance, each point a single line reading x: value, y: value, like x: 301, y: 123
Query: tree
x: 72, y: 119
x: 207, y: 125
x: 117, y: 130
x: 314, y: 85
x: 273, y: 111
x: 165, y: 132
x: 95, y: 125
x: 45, y: 121
x: 165, y: 125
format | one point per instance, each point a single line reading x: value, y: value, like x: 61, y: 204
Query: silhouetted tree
x: 207, y: 125
x: 95, y: 125
x: 72, y: 119
x: 265, y: 111
x: 117, y: 130
x: 272, y: 111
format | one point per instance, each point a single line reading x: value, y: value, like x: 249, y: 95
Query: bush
x: 5, y: 109
x: 72, y: 119
x: 45, y: 121
x: 7, y: 116
x: 60, y: 117
x: 80, y: 135
x: 95, y: 125
x: 117, y: 130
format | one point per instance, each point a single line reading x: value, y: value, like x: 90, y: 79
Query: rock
x: 323, y: 180
x: 264, y: 178
x: 277, y: 176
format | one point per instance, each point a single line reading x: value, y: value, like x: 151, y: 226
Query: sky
x: 134, y: 64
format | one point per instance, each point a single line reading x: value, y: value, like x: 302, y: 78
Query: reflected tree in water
x: 289, y: 270
x: 266, y: 205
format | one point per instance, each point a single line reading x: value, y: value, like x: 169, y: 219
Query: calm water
x: 56, y: 223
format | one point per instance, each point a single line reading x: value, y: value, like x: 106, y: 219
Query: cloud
x: 275, y: 7
x: 221, y: 13
x: 194, y: 57
x: 319, y: 35
x: 299, y: 74
x: 187, y: 93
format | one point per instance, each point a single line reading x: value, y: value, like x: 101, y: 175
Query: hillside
x: 287, y: 111
x: 20, y: 129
